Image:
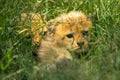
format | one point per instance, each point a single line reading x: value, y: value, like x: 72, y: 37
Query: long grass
x: 17, y: 62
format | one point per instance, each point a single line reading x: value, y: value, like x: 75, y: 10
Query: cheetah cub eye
x: 44, y: 33
x: 84, y: 33
x: 69, y: 35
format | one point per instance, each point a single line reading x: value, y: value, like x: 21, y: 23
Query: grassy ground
x: 17, y: 62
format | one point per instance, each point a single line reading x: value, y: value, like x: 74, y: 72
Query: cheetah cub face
x: 71, y: 30
x: 66, y: 32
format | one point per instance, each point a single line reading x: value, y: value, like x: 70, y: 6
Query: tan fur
x: 56, y: 44
x: 35, y: 25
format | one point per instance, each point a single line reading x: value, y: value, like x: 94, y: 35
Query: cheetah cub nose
x: 80, y: 44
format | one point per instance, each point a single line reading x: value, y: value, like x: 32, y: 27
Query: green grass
x: 17, y: 62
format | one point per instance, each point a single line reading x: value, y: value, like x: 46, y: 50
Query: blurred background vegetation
x: 17, y: 62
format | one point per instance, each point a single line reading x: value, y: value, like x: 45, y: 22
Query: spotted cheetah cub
x: 66, y: 32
